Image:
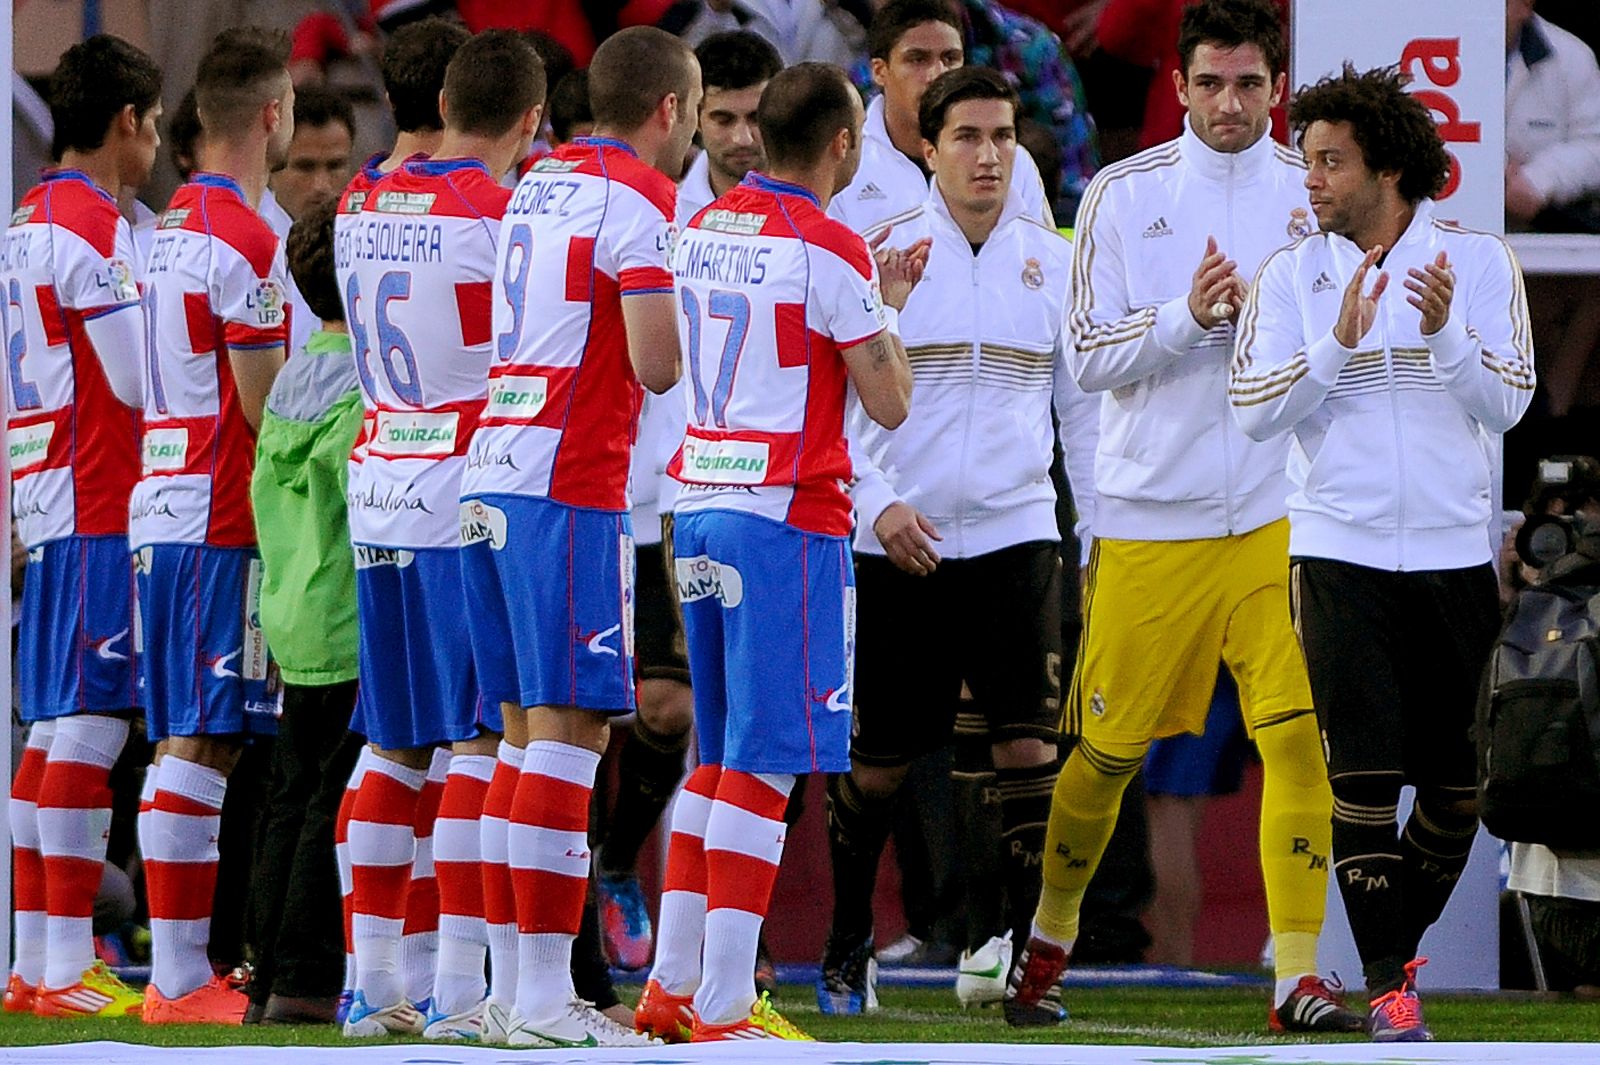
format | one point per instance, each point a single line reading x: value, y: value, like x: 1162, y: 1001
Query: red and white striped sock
x: 28, y: 901
x: 341, y: 855
x: 419, y: 943
x: 463, y: 940
x: 74, y: 825
x: 382, y: 849
x: 682, y: 927
x: 180, y: 872
x: 499, y: 902
x: 744, y: 844
x: 549, y: 847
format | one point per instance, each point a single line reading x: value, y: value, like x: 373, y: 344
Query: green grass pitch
x: 1157, y: 1017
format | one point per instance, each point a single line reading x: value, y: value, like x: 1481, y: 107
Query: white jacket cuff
x: 1325, y: 358
x: 1451, y: 345
x: 1176, y: 330
x: 872, y: 495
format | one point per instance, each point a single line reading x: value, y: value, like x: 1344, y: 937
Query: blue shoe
x: 343, y: 1009
x: 625, y: 922
x: 849, y: 981
x: 365, y: 1021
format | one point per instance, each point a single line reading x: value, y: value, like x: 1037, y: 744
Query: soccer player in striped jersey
x: 219, y: 326
x: 583, y: 316
x: 74, y: 335
x: 782, y: 313
x: 421, y: 254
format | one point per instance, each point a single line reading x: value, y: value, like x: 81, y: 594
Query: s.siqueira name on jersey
x: 389, y: 240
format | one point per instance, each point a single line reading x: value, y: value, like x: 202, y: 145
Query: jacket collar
x: 1419, y: 231
x: 875, y: 131
x: 1533, y: 43
x: 1220, y: 166
x: 939, y: 210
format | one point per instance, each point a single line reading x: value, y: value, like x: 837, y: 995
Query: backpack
x: 1538, y: 715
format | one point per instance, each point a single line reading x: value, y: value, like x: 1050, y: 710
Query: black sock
x: 1371, y: 874
x: 1434, y: 846
x: 978, y: 826
x: 1024, y: 813
x: 648, y: 770
x: 857, y: 828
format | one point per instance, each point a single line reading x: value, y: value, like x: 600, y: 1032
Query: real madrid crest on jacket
x: 1172, y: 464
x: 985, y: 335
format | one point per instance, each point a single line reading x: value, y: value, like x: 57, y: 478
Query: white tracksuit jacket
x: 985, y: 335
x: 1390, y: 440
x: 1172, y: 464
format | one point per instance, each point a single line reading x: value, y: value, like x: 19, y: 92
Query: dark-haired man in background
x: 1190, y: 541
x: 319, y: 163
x: 75, y: 334
x: 1391, y: 395
x: 911, y: 42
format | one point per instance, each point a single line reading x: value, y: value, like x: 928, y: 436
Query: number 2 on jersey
x: 733, y: 308
x: 24, y: 394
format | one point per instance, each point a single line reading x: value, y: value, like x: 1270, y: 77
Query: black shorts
x: 659, y: 650
x: 1395, y: 661
x: 993, y: 622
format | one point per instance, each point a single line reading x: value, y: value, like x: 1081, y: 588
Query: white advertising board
x: 1455, y: 54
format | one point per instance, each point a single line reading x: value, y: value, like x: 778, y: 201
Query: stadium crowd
x: 655, y: 382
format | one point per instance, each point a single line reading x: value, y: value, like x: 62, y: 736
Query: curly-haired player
x: 1389, y: 392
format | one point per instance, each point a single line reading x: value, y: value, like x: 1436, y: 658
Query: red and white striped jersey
x: 215, y: 282
x: 66, y: 269
x: 344, y: 222
x: 587, y: 226
x: 771, y: 290
x: 422, y: 252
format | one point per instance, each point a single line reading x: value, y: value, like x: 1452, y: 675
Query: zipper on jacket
x: 1399, y: 442
x: 972, y: 404
x: 1227, y: 406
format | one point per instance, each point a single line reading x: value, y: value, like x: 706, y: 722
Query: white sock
x: 458, y: 973
x: 544, y: 981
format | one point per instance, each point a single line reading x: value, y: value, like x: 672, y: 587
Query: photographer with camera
x: 1551, y: 568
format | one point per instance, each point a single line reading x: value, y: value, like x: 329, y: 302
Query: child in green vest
x: 308, y: 612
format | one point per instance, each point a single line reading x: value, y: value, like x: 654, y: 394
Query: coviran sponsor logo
x: 420, y: 433
x: 725, y: 461
x: 29, y: 445
x: 165, y: 449
x: 517, y: 397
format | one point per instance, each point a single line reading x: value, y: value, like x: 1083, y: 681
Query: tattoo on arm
x: 882, y: 350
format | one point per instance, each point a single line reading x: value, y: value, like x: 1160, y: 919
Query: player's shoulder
x: 213, y: 206
x: 916, y: 219
x: 75, y: 204
x: 1136, y: 168
x: 1290, y: 160
x: 466, y: 188
x: 355, y: 193
x: 812, y: 225
x: 628, y: 170
x: 1472, y: 241
x: 1042, y: 240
